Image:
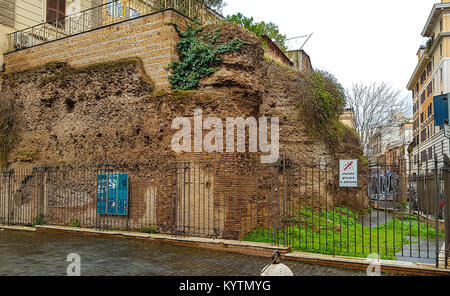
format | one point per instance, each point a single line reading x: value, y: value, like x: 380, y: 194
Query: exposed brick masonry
x: 148, y: 37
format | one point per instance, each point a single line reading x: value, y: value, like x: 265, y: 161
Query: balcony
x: 105, y: 15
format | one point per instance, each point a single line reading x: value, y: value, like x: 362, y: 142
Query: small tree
x: 215, y: 4
x: 260, y: 29
x: 374, y: 104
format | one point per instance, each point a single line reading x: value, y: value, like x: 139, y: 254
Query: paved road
x: 376, y: 218
x: 24, y: 253
x: 418, y: 252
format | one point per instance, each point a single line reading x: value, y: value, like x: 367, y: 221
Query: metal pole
x: 436, y: 213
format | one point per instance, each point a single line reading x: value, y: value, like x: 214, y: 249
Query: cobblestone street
x: 28, y: 253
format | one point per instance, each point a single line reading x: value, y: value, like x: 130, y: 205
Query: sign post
x: 348, y: 173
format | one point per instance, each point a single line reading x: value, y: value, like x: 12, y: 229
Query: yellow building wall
x: 29, y: 13
x: 4, y: 41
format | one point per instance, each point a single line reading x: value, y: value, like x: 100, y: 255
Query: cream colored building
x: 348, y: 118
x: 21, y: 14
x: 430, y: 78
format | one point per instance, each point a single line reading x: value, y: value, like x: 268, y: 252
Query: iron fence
x: 106, y: 14
x: 392, y: 213
x: 445, y: 204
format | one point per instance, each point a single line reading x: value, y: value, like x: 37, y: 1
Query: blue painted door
x: 112, y: 194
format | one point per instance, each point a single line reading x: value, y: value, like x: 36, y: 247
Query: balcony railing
x: 104, y: 15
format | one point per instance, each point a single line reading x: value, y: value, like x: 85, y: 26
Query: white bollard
x: 276, y: 268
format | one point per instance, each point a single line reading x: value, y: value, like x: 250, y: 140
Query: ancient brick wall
x: 148, y: 37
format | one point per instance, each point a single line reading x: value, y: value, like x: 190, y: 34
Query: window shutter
x: 56, y: 9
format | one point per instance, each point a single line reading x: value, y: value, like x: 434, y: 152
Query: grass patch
x: 75, y: 223
x: 339, y: 232
x: 39, y: 220
x: 150, y: 229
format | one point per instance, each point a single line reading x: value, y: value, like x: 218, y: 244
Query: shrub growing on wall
x: 199, y: 56
x: 9, y: 112
x: 322, y: 107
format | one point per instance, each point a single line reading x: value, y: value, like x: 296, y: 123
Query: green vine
x: 322, y: 106
x: 197, y: 56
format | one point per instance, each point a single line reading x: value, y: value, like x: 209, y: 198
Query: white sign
x: 447, y: 130
x: 348, y: 173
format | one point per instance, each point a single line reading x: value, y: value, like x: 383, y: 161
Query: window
x: 423, y: 156
x: 423, y: 77
x: 441, y: 26
x: 132, y: 13
x: 440, y: 49
x: 429, y: 89
x: 422, y: 97
x: 56, y: 10
x: 441, y: 74
x: 423, y: 135
x: 115, y: 8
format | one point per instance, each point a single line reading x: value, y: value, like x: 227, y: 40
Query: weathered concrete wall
x: 301, y: 60
x: 275, y: 53
x: 148, y: 38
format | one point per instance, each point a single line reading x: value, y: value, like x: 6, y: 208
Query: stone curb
x: 389, y: 266
x: 247, y: 248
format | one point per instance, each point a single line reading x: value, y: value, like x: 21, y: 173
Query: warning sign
x: 348, y: 173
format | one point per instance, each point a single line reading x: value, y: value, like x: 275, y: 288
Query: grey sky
x: 356, y: 40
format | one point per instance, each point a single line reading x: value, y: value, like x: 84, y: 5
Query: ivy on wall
x: 199, y: 56
x: 322, y: 106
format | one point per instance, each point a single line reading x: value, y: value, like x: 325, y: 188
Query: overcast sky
x: 356, y: 40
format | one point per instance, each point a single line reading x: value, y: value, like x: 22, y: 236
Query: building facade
x: 430, y: 78
x: 86, y: 32
x: 17, y: 15
x: 301, y: 60
x: 348, y: 118
x: 390, y: 139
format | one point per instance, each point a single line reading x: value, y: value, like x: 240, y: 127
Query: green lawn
x: 337, y: 232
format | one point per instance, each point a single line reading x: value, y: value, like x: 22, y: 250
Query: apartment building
x: 17, y: 15
x: 348, y: 118
x: 431, y: 78
x: 85, y: 32
x: 395, y: 133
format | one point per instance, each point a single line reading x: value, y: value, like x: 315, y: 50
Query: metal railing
x: 291, y: 204
x: 104, y: 15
